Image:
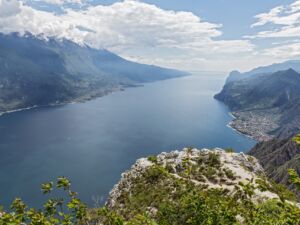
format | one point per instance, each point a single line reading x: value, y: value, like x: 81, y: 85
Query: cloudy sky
x: 215, y: 35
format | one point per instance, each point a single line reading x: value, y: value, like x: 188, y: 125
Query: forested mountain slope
x: 39, y: 71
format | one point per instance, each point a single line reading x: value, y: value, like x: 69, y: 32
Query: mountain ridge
x: 277, y: 156
x: 34, y: 71
x: 263, y: 70
x: 266, y: 105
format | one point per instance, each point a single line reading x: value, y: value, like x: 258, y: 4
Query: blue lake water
x: 92, y: 143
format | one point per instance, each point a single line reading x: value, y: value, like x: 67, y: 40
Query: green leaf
x: 64, y: 183
x: 47, y: 187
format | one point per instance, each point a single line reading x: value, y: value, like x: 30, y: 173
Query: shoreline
x: 74, y: 101
x: 241, y: 133
x: 236, y: 130
x: 17, y: 110
x: 230, y: 114
x: 246, y: 127
x: 36, y: 106
x: 83, y: 99
x: 91, y: 97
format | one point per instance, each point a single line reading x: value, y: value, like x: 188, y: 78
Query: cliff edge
x: 199, y: 187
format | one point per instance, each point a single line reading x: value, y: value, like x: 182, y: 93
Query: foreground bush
x: 153, y: 201
x: 55, y: 210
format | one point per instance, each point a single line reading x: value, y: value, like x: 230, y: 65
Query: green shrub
x: 176, y: 201
x: 280, y: 189
x: 52, y: 213
x: 229, y: 150
x: 211, y: 173
x: 294, y: 178
x: 297, y: 139
x: 229, y: 173
x: 152, y: 158
x: 214, y: 160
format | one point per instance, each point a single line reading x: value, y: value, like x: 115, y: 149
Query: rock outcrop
x: 166, y: 181
x: 230, y: 170
x: 277, y: 156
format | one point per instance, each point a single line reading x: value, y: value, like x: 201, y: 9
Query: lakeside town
x: 255, y: 124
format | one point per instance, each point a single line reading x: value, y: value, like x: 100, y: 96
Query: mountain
x: 39, y: 71
x: 291, y: 64
x: 277, y: 156
x: 271, y: 90
x: 265, y: 105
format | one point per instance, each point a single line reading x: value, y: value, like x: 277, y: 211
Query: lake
x: 92, y: 143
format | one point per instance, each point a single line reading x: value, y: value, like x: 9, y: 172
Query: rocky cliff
x: 197, y: 187
x: 265, y: 105
x: 277, y: 156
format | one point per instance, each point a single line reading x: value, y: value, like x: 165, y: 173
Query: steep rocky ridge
x: 265, y: 106
x: 263, y: 70
x: 277, y: 156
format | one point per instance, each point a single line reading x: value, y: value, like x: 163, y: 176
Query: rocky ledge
x: 211, y: 168
x: 172, y: 183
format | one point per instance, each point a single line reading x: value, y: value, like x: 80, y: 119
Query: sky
x: 193, y: 35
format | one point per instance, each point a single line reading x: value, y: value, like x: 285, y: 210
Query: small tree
x: 294, y: 178
x: 53, y: 212
x: 297, y: 139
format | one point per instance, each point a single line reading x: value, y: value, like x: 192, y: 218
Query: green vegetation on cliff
x: 189, y: 187
x: 297, y: 139
x: 37, y: 72
x: 277, y: 156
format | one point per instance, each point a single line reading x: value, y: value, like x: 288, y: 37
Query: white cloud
x: 285, y: 30
x: 130, y: 28
x: 284, y: 52
x: 9, y: 8
x: 285, y: 27
x: 270, y: 17
x: 280, y: 15
x: 287, y: 18
x: 295, y: 6
x: 60, y: 2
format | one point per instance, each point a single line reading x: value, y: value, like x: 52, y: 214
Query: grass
x: 297, y: 139
x: 152, y: 158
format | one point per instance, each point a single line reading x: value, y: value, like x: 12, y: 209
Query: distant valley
x: 264, y: 101
x: 35, y: 72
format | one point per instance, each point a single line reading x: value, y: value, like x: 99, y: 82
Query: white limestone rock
x: 245, y: 169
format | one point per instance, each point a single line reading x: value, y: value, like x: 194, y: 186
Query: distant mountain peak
x: 290, y: 64
x: 264, y: 104
x: 291, y: 70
